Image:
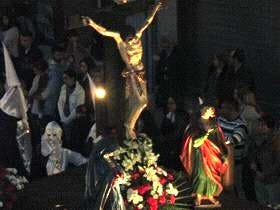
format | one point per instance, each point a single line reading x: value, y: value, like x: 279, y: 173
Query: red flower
x: 153, y: 203
x: 162, y: 200
x: 172, y: 199
x: 170, y: 177
x: 163, y: 181
x: 143, y: 189
x: 135, y: 175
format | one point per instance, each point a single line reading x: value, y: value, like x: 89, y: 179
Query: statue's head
x: 128, y: 33
x: 53, y: 133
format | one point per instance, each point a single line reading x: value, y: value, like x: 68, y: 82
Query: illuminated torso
x: 131, y: 53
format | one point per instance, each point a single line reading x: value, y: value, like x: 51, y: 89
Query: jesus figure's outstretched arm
x: 87, y: 21
x: 149, y: 19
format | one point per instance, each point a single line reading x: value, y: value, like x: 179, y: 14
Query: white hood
x: 13, y: 102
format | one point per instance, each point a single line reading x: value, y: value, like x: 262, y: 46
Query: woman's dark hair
x: 89, y: 62
x: 40, y: 64
x: 127, y: 31
x: 70, y: 73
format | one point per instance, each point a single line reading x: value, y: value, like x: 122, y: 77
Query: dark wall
x: 254, y: 25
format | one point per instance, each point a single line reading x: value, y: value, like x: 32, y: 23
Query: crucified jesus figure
x: 131, y: 50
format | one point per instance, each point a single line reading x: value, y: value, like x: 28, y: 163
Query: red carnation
x: 162, y: 200
x: 170, y: 177
x: 153, y: 203
x: 143, y: 189
x: 172, y: 199
x: 163, y: 181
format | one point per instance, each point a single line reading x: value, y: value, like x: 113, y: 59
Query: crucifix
x: 130, y: 47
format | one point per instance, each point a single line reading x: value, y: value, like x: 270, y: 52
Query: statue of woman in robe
x: 206, y: 157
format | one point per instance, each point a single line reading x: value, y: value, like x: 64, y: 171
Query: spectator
x: 55, y: 77
x: 10, y: 34
x: 170, y: 76
x: 235, y: 130
x: 266, y: 162
x: 28, y: 52
x: 36, y: 101
x: 241, y: 76
x: 250, y: 111
x: 87, y: 66
x: 71, y: 96
x: 215, y: 87
x: 75, y: 48
x: 172, y: 128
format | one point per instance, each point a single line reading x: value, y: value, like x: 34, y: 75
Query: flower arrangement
x: 144, y: 184
x: 10, y: 182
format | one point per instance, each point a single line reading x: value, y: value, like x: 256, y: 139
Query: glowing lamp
x: 100, y: 93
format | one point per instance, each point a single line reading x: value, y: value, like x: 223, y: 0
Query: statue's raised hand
x: 86, y: 20
x: 163, y: 3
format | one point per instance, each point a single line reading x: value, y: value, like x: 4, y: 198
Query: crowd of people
x: 57, y: 88
x: 230, y: 87
x: 55, y: 80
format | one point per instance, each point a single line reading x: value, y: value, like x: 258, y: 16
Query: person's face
x: 226, y: 111
x: 83, y: 67
x: 53, y: 137
x: 58, y: 56
x: 5, y: 20
x: 25, y: 41
x: 68, y: 81
x: 171, y: 105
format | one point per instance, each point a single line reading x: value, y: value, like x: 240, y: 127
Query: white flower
x: 123, y: 180
x: 161, y: 171
x: 127, y: 164
x: 133, y: 196
x: 150, y: 174
x: 12, y: 170
x: 151, y: 158
x: 140, y: 206
x: 157, y: 187
x: 171, y: 190
x: 155, y: 196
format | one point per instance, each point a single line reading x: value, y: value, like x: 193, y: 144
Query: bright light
x: 209, y: 113
x: 100, y: 93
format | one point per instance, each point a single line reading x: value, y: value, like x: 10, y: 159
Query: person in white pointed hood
x: 13, y: 108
